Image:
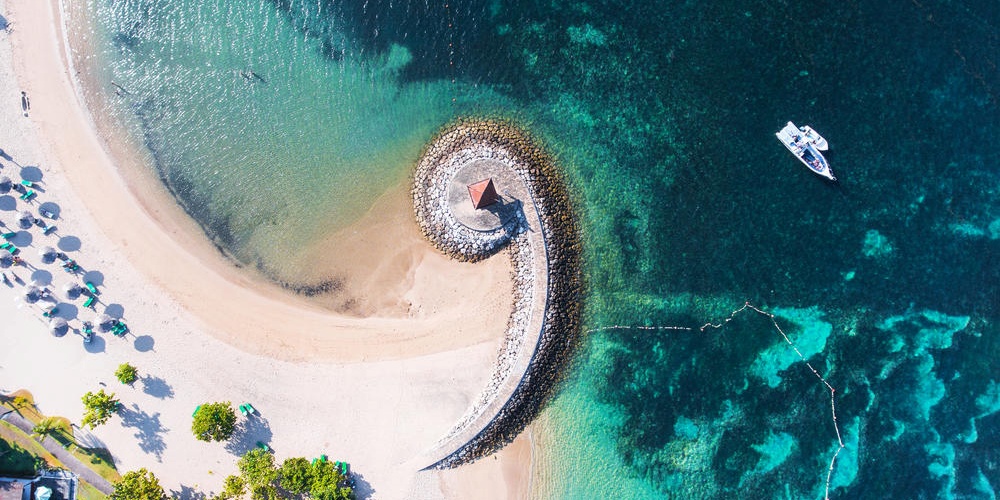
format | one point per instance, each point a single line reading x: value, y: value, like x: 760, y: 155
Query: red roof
x: 483, y: 193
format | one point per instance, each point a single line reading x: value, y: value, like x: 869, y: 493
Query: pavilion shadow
x: 96, y: 345
x: 144, y: 343
x: 69, y: 243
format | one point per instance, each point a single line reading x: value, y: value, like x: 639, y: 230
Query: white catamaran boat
x: 806, y: 144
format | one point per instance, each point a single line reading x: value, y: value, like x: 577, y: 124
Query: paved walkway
x: 55, y: 448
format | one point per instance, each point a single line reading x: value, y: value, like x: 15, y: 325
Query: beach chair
x: 48, y: 229
x: 27, y: 183
x: 52, y: 310
x: 8, y: 236
x: 91, y: 287
x: 262, y: 445
x: 27, y: 195
x: 88, y: 327
x: 8, y: 246
x: 196, y: 410
x: 243, y: 410
x: 90, y: 301
x: 250, y: 408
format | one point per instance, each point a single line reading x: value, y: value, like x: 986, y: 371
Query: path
x: 52, y: 446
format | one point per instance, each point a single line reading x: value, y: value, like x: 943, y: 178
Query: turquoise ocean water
x: 662, y: 114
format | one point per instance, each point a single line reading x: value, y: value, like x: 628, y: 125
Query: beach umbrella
x: 32, y: 294
x: 6, y: 258
x: 48, y: 254
x: 103, y: 321
x: 72, y: 291
x: 5, y: 184
x: 58, y: 326
x: 25, y: 219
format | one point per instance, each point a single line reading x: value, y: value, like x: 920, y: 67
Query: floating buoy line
x: 747, y: 306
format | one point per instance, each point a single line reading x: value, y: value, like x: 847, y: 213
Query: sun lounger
x: 27, y: 195
x: 196, y: 410
x: 91, y: 287
x: 243, y: 410
x: 88, y: 328
x: 262, y: 445
x: 90, y: 301
x: 48, y: 229
x: 250, y: 408
x: 27, y: 183
x: 8, y: 236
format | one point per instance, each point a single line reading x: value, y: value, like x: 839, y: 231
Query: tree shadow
x: 187, y: 493
x: 248, y: 433
x: 157, y: 387
x: 149, y: 430
x: 363, y: 490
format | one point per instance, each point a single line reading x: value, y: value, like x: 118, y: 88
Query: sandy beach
x: 375, y: 387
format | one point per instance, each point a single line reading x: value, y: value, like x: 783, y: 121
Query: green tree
x: 234, y: 488
x: 46, y: 426
x: 326, y: 483
x: 98, y: 408
x: 260, y: 473
x: 214, y: 422
x: 127, y: 374
x: 295, y: 475
x: 138, y: 485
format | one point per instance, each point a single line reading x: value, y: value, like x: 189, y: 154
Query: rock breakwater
x: 538, y: 229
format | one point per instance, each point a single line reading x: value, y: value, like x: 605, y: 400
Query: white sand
x: 375, y: 391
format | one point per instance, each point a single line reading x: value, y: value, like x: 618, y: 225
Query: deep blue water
x: 662, y: 114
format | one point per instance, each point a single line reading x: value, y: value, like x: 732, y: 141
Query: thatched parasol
x: 25, y: 219
x: 58, y: 326
x: 5, y: 184
x: 32, y: 294
x: 72, y: 291
x: 6, y: 258
x: 48, y: 254
x: 103, y: 321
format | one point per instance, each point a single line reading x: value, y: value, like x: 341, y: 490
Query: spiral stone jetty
x: 535, y: 223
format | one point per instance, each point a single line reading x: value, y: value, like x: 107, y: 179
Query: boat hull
x: 806, y: 144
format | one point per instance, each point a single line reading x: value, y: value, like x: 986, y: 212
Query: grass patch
x: 88, y: 492
x: 25, y: 451
x: 97, y: 459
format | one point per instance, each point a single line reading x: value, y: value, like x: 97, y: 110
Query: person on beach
x: 25, y: 103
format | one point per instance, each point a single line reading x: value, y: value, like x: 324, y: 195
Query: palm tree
x: 45, y: 427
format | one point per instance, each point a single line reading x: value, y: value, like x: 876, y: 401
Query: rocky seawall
x: 540, y: 234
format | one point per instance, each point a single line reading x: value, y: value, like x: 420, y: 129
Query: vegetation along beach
x: 499, y: 249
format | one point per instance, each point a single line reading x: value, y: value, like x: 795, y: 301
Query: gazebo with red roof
x: 483, y: 193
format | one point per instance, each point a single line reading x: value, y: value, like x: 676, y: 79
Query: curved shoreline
x: 544, y: 247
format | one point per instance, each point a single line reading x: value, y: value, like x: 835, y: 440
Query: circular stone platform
x: 508, y: 184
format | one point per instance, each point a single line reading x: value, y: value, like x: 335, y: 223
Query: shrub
x: 127, y: 374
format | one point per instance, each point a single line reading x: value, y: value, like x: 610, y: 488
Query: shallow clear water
x: 663, y: 115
